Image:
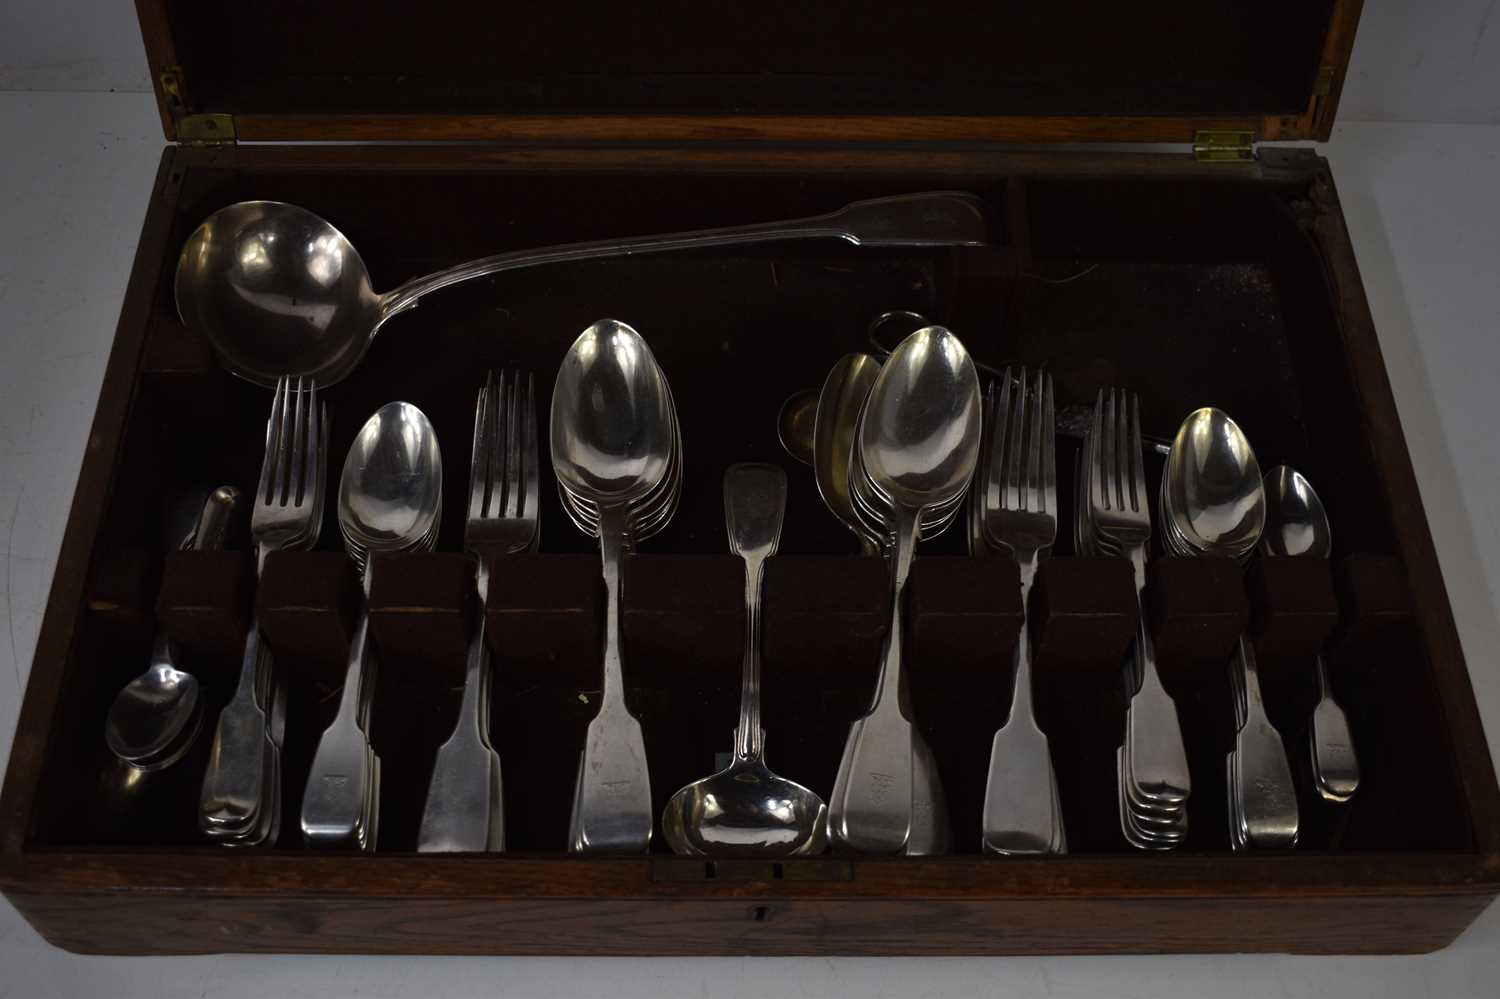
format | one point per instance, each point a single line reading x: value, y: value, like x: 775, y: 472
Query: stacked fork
x: 1018, y: 493
x: 1114, y: 520
x: 465, y: 809
x: 240, y: 802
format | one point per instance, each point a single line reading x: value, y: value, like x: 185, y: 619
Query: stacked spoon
x: 918, y: 443
x: 835, y: 441
x: 1214, y: 503
x: 390, y: 500
x: 617, y: 455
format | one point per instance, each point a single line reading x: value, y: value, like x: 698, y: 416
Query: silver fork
x: 465, y: 808
x: 1021, y: 813
x: 1120, y: 512
x: 287, y: 514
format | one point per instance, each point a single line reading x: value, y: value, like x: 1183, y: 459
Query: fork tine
x: 296, y: 480
x: 273, y: 435
x: 478, y: 454
x: 1126, y: 488
x: 1010, y: 497
x: 495, y: 470
x: 314, y: 484
x: 284, y: 445
x: 1032, y: 498
x: 514, y: 459
x: 1096, y: 458
x: 1137, y: 459
x: 531, y: 504
x: 999, y: 402
x: 1110, y: 448
x: 1049, y: 449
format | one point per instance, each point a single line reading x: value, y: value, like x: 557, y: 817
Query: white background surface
x: 1424, y: 211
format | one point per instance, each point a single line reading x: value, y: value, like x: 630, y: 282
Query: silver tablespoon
x: 279, y: 291
x: 612, y: 443
x: 919, y: 444
x: 835, y: 430
x: 155, y: 708
x: 1213, y: 496
x: 390, y: 496
x: 745, y: 808
x: 1296, y: 524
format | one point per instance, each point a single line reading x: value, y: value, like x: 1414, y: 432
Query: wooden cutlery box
x: 1221, y: 275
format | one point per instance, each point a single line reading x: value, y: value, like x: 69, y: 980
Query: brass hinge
x: 193, y: 129
x: 1211, y: 146
x: 171, y: 85
x: 1323, y: 85
x: 206, y: 129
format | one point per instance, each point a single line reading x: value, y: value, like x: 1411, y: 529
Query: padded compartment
x: 205, y: 599
x: 306, y: 604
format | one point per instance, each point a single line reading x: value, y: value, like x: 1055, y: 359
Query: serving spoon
x: 279, y: 291
x: 746, y: 808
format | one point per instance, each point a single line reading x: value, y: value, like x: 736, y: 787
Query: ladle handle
x: 754, y: 508
x: 932, y: 219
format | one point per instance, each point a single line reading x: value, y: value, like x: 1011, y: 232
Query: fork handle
x: 1021, y: 692
x: 234, y: 783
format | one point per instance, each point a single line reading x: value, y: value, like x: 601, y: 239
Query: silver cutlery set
x: 898, y: 447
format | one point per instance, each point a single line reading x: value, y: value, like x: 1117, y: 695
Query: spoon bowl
x: 391, y: 489
x: 796, y: 424
x: 278, y: 291
x: 612, y: 418
x: 1212, y: 493
x: 919, y: 435
x: 1296, y: 523
x: 746, y: 810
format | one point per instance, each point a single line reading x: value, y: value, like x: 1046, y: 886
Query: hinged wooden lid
x: 790, y: 70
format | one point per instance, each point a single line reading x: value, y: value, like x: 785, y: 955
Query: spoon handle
x: 612, y: 797
x: 932, y: 219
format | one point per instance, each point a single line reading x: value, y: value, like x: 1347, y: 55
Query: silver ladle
x: 745, y: 808
x: 279, y: 291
